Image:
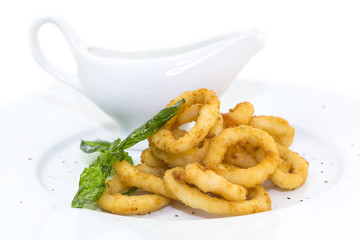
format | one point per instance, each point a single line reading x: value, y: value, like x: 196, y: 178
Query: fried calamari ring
x: 131, y: 176
x: 113, y: 201
x: 295, y: 176
x: 114, y: 185
x: 248, y: 177
x: 243, y: 156
x: 208, y: 115
x: 157, y: 171
x: 210, y: 182
x: 277, y: 127
x: 258, y: 199
x: 217, y: 128
x: 189, y: 114
x: 241, y: 114
x: 149, y: 159
x: 195, y: 154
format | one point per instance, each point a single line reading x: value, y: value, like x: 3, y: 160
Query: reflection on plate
x: 43, y: 161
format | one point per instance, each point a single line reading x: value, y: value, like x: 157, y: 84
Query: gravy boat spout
x: 133, y: 86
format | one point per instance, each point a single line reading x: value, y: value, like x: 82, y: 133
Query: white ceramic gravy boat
x: 132, y: 87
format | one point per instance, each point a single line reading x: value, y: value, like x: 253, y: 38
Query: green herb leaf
x: 91, y: 185
x: 92, y: 179
x: 94, y: 146
x: 129, y: 160
x: 151, y: 126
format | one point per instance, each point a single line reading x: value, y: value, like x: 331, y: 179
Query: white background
x: 312, y: 43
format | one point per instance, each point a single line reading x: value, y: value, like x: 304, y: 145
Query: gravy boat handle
x: 73, y: 41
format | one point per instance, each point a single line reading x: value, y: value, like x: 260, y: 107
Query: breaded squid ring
x: 210, y: 182
x: 208, y: 115
x: 258, y: 199
x: 131, y: 176
x: 157, y: 171
x: 113, y: 201
x: 217, y: 128
x: 195, y: 154
x: 190, y: 114
x: 277, y: 127
x: 241, y: 114
x: 243, y: 156
x: 150, y: 160
x: 295, y: 176
x: 248, y: 177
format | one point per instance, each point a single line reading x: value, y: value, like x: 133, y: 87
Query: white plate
x: 41, y: 162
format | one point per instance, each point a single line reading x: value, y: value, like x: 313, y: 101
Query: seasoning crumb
x: 322, y: 171
x: 325, y: 181
x: 301, y: 200
x: 288, y: 197
x: 29, y: 158
x: 321, y: 163
x: 52, y: 189
x: 192, y: 212
x: 176, y: 215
